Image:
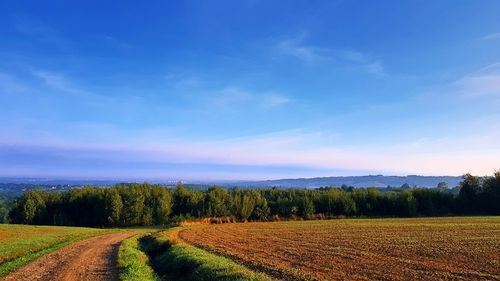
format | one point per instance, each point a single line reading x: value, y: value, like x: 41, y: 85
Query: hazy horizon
x: 22, y: 179
x: 249, y: 90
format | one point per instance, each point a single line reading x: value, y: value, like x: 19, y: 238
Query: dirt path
x: 91, y: 259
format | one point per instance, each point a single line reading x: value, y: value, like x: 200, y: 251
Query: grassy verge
x: 175, y: 260
x: 133, y: 263
x: 20, y: 244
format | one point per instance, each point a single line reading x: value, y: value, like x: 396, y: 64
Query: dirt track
x: 91, y: 259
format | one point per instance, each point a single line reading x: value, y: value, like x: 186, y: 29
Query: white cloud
x: 354, y: 56
x: 58, y: 82
x: 63, y: 84
x: 270, y: 100
x: 9, y: 85
x: 494, y: 67
x: 491, y: 36
x: 117, y: 43
x: 454, y: 155
x: 231, y: 97
x: 375, y: 68
x: 479, y: 85
x: 297, y: 48
x: 483, y: 83
x: 41, y: 32
x: 183, y: 81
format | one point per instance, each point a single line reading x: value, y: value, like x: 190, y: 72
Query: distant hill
x: 356, y: 181
x: 57, y: 181
x: 17, y: 185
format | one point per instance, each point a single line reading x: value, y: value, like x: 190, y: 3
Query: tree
x: 179, y: 199
x: 407, y: 204
x: 442, y: 186
x: 145, y: 204
x: 113, y: 206
x: 490, y: 194
x: 161, y: 205
x: 261, y: 210
x: 4, y: 212
x: 188, y: 202
x: 306, y: 206
x: 29, y: 208
x: 335, y: 201
x: 470, y: 187
x: 217, y: 202
x: 133, y: 205
x: 243, y: 204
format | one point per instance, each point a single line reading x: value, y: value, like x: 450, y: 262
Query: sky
x: 244, y: 90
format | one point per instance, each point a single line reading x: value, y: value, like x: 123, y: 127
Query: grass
x: 455, y: 248
x: 174, y: 260
x: 133, y: 264
x: 20, y: 244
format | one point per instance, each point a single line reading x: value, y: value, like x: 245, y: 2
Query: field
x: 461, y: 248
x: 20, y: 244
x: 161, y: 256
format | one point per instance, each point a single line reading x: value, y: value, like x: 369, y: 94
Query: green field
x: 20, y: 244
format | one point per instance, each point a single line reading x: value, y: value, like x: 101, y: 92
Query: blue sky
x: 248, y: 89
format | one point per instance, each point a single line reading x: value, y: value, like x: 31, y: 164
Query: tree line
x: 146, y: 204
x: 4, y: 211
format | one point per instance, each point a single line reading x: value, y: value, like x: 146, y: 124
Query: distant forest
x: 146, y: 204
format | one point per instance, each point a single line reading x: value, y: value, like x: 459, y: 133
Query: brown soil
x: 360, y: 249
x: 91, y: 259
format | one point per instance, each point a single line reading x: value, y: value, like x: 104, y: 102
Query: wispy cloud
x: 63, y: 84
x: 375, y: 68
x: 118, y: 43
x: 353, y: 56
x: 10, y: 85
x: 290, y: 148
x: 311, y: 54
x: 183, y: 83
x: 479, y: 85
x: 58, y: 82
x: 41, y: 32
x: 491, y: 36
x: 482, y: 83
x: 370, y: 65
x: 296, y: 47
x: 231, y: 97
x: 271, y: 100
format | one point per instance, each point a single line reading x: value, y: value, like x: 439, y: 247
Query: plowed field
x: 461, y: 248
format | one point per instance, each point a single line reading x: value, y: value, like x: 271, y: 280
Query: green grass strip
x: 188, y: 263
x: 9, y: 266
x: 133, y: 264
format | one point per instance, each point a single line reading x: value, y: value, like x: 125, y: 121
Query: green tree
x: 161, y: 205
x: 29, y: 208
x: 217, y: 202
x: 4, y: 212
x: 133, y: 205
x: 470, y: 188
x: 306, y: 205
x: 243, y: 204
x: 442, y: 186
x: 406, y: 204
x: 113, y: 206
x: 490, y: 194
